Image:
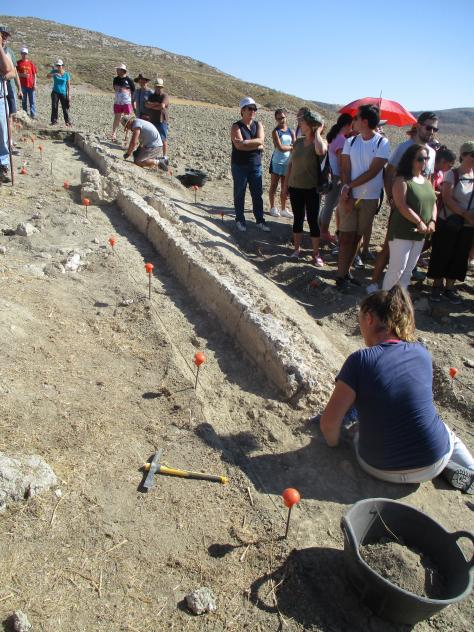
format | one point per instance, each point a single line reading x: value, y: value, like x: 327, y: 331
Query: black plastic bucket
x: 364, y: 524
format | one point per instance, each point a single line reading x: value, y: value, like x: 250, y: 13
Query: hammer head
x: 154, y: 465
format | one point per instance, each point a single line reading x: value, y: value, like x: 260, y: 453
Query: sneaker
x: 418, y: 275
x: 453, y: 297
x: 241, y: 226
x: 274, y: 212
x: 162, y: 164
x: 343, y: 284
x: 286, y: 213
x: 318, y: 261
x: 358, y: 263
x: 263, y: 226
x: 4, y: 178
x: 436, y: 295
x: 296, y: 254
x: 371, y: 288
x: 459, y: 477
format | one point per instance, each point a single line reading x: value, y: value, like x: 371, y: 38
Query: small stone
x: 3, y: 250
x: 126, y: 302
x: 25, y: 229
x: 201, y: 600
x: 58, y: 493
x: 468, y: 362
x: 20, y: 622
x: 36, y: 216
x: 253, y: 414
x: 7, y: 231
x: 96, y: 240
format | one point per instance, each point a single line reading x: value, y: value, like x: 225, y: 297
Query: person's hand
x: 345, y: 192
x: 422, y: 228
x: 431, y: 227
x: 20, y: 94
x: 126, y: 155
x: 469, y: 218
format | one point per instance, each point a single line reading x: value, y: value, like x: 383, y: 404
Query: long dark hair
x: 342, y: 121
x: 405, y: 166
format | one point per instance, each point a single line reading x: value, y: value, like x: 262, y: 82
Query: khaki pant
x: 360, y: 218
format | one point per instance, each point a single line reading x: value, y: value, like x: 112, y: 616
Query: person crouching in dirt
x: 400, y: 438
x: 145, y: 144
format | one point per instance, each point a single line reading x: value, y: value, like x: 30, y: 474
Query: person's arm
x: 399, y: 191
x: 68, y: 89
x: 342, y: 398
x: 286, y: 179
x: 18, y: 84
x: 320, y: 144
x: 388, y: 177
x: 133, y: 143
x: 34, y: 70
x: 345, y: 176
x: 277, y: 143
x: 250, y: 144
x: 7, y: 69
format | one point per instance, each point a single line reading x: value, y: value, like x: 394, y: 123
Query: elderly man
x: 145, y: 145
x: 7, y: 71
x: 124, y: 89
x: 156, y: 108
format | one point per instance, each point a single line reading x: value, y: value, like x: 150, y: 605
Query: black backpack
x: 325, y: 176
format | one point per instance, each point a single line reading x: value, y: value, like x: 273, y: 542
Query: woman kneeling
x: 401, y: 438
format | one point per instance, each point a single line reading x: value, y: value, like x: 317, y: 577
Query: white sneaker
x: 274, y: 212
x: 286, y: 213
x: 371, y: 288
x: 242, y: 227
x: 263, y: 227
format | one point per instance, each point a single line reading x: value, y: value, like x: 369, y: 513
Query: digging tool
x: 154, y: 467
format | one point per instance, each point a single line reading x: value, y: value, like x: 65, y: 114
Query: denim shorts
x: 163, y: 129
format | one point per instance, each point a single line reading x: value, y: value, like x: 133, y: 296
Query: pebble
x: 468, y: 362
x: 201, y: 601
x: 3, y: 250
x: 20, y: 622
x: 25, y: 229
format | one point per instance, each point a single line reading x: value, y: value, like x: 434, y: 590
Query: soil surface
x: 405, y: 567
x: 96, y: 378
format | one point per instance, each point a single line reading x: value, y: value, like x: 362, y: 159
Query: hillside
x: 91, y: 58
x: 459, y: 121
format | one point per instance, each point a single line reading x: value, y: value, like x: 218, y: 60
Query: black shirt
x: 124, y: 82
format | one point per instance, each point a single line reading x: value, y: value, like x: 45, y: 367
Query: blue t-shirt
x: 399, y: 428
x: 60, y: 82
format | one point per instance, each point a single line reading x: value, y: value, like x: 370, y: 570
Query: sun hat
x: 59, y: 62
x: 466, y: 148
x: 159, y: 82
x: 24, y: 50
x: 4, y: 29
x: 127, y: 118
x: 313, y: 118
x: 141, y: 78
x: 121, y: 67
x: 246, y: 101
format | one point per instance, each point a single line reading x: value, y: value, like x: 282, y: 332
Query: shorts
x: 123, y: 109
x: 278, y: 170
x: 147, y: 153
x: 163, y: 129
x: 12, y: 109
x: 360, y: 218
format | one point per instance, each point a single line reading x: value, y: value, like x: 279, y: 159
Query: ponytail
x: 342, y: 121
x: 394, y: 310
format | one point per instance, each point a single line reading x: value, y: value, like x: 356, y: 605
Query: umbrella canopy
x: 391, y: 111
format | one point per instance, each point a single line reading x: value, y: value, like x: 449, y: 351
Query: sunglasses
x: 422, y: 158
x: 251, y: 109
x: 281, y: 118
x: 430, y: 128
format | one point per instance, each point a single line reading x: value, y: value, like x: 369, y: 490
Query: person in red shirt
x: 27, y: 72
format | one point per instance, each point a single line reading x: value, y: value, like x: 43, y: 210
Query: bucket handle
x: 465, y: 534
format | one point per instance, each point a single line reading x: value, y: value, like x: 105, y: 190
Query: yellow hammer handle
x: 170, y: 471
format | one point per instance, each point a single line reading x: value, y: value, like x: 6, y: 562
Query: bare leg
x: 366, y: 242
x: 315, y: 242
x: 348, y: 242
x: 115, y: 125
x: 273, y: 188
x: 297, y: 239
x: 283, y: 196
x: 165, y: 147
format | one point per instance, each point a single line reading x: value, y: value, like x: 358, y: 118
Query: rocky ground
x: 95, y: 378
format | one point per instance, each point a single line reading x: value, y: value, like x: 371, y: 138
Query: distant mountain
x: 91, y: 58
x: 459, y: 121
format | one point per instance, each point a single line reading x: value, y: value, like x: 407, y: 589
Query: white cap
x: 246, y: 101
x: 59, y: 62
x: 159, y: 82
x: 24, y: 50
x: 121, y: 67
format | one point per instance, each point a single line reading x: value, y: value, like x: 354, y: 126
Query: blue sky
x: 418, y: 53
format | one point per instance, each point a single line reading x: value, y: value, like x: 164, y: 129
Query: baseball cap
x: 159, y: 82
x: 246, y: 101
x: 121, y: 67
x: 127, y: 118
x: 4, y: 29
x: 466, y: 148
x: 24, y: 50
x: 59, y: 62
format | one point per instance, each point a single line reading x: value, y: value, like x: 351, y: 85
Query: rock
x: 23, y: 477
x: 468, y: 362
x: 20, y: 622
x: 201, y: 600
x: 3, y: 250
x: 126, y: 302
x: 36, y: 216
x: 73, y: 263
x: 7, y: 231
x: 25, y: 229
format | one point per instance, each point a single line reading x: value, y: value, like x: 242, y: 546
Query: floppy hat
x: 127, y: 118
x: 246, y: 101
x: 313, y: 118
x: 24, y: 50
x: 59, y: 62
x: 466, y: 148
x: 121, y: 67
x: 141, y: 78
x: 4, y: 29
x: 159, y: 82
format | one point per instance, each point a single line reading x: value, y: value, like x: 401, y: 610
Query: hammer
x: 154, y: 467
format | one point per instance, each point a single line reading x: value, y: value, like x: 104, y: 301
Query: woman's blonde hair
x: 394, y: 310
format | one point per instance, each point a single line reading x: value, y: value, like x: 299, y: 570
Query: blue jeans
x: 251, y: 175
x: 4, y: 150
x: 29, y: 94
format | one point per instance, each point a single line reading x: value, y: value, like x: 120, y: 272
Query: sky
x: 418, y: 53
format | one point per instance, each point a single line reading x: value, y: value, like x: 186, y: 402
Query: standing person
x: 13, y: 84
x: 145, y: 143
x: 363, y: 159
x: 454, y: 232
x: 247, y: 136
x: 283, y: 138
x: 156, y: 108
x: 7, y: 70
x: 124, y: 89
x: 302, y: 182
x: 336, y: 138
x: 422, y: 133
x: 27, y: 72
x: 142, y: 94
x: 61, y: 92
x: 414, y: 216
x: 400, y: 438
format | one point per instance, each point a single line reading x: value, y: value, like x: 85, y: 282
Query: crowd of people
x: 430, y: 200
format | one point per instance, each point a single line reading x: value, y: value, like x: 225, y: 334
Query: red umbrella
x: 391, y: 111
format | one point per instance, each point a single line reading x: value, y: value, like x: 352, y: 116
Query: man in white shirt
x: 363, y: 159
